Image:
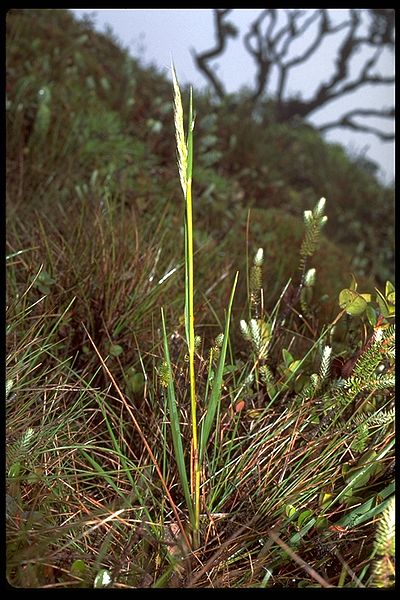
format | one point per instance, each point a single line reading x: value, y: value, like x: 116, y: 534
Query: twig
x: 298, y: 560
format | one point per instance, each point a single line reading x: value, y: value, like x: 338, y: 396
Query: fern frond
x: 255, y: 278
x: 258, y: 332
x: 361, y: 424
x: 313, y: 223
x: 309, y: 278
x: 311, y: 238
x: 219, y: 340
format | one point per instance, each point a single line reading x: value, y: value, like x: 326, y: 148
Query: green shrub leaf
x: 352, y: 302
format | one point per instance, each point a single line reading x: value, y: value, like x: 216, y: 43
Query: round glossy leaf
x: 294, y: 366
x: 14, y: 470
x: 321, y: 523
x: 136, y: 383
x: 352, y: 500
x: 354, y: 304
x: 78, y: 568
x: 116, y: 350
x: 239, y: 406
x: 390, y: 292
x: 43, y: 289
x: 303, y: 517
x: 353, y: 284
x: 287, y: 357
x: 290, y: 510
x: 300, y: 382
x: 35, y: 476
x: 383, y: 304
x: 367, y: 297
x: 325, y: 499
x: 371, y: 315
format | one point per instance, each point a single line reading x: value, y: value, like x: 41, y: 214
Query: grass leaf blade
x: 175, y: 427
x: 215, y: 396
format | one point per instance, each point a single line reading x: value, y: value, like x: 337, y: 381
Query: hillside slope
x: 83, y: 117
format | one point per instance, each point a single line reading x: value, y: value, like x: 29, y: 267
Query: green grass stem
x: 185, y: 164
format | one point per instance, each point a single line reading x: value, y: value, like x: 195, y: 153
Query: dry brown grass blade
x: 143, y: 438
x: 298, y: 560
x: 220, y: 551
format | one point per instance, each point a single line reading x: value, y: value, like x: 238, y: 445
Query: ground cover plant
x: 171, y: 422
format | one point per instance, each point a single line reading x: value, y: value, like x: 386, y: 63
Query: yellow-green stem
x: 185, y: 163
x: 195, y: 485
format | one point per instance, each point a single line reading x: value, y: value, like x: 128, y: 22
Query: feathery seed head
x: 181, y: 146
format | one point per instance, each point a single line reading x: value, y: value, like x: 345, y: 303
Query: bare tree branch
x: 363, y: 79
x: 381, y: 32
x: 289, y: 29
x: 295, y: 33
x: 327, y: 92
x: 264, y: 57
x: 270, y: 46
x: 347, y: 122
x: 345, y: 52
x: 324, y: 29
x: 223, y: 31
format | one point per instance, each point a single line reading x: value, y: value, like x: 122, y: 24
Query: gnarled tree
x: 270, y: 39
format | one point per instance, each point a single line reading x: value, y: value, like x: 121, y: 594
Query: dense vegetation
x: 294, y: 403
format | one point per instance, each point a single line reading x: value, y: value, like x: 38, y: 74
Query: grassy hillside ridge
x: 291, y: 395
x: 119, y: 138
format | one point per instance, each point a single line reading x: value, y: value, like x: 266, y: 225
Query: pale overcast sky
x: 155, y: 35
